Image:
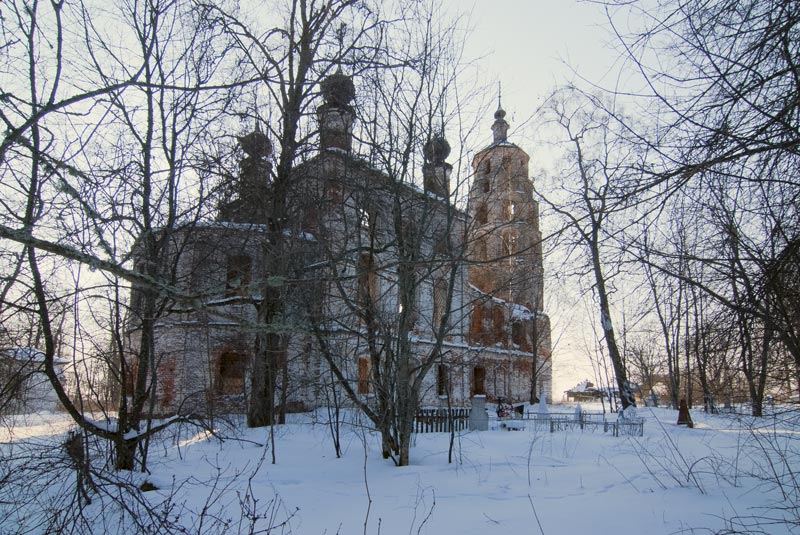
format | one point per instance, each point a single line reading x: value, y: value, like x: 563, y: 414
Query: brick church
x: 474, y: 301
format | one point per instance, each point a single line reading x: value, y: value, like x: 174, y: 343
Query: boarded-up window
x: 364, y: 369
x: 408, y: 238
x: 230, y: 377
x: 239, y: 275
x: 442, y: 380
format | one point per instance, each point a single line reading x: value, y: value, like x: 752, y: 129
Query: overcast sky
x: 531, y: 46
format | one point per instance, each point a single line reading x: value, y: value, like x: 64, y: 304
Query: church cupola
x: 250, y: 193
x: 255, y: 166
x: 336, y: 115
x: 435, y: 170
x: 500, y: 126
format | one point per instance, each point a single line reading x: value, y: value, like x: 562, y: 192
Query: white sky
x: 525, y: 44
x: 531, y: 47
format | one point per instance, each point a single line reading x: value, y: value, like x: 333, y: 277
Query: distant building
x: 584, y: 391
x: 341, y: 222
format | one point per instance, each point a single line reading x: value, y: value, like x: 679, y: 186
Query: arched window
x: 499, y: 325
x: 481, y: 250
x: 510, y: 209
x: 481, y: 185
x: 442, y: 380
x: 439, y: 301
x: 239, y: 275
x: 476, y: 328
x: 367, y: 279
x: 518, y: 333
x: 334, y: 192
x: 440, y: 245
x: 364, y: 219
x: 510, y: 244
x: 481, y: 215
x: 478, y: 381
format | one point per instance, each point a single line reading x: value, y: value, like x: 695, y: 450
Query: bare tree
x: 391, y: 253
x: 596, y: 187
x: 85, y: 195
x: 645, y: 360
x: 723, y: 108
x: 291, y: 59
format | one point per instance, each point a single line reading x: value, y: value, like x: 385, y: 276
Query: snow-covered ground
x: 728, y: 473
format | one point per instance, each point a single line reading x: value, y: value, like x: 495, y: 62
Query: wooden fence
x: 441, y: 420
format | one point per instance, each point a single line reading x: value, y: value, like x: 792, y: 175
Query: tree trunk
x: 701, y: 353
x: 386, y: 446
x: 625, y: 393
x: 262, y: 396
x: 125, y: 451
x: 534, y: 356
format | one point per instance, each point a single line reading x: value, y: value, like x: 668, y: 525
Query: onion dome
x: 500, y: 126
x: 436, y: 150
x: 338, y: 90
x: 256, y: 144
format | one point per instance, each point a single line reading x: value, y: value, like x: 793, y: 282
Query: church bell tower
x: 505, y: 255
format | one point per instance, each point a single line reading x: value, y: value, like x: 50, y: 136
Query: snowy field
x: 727, y: 475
